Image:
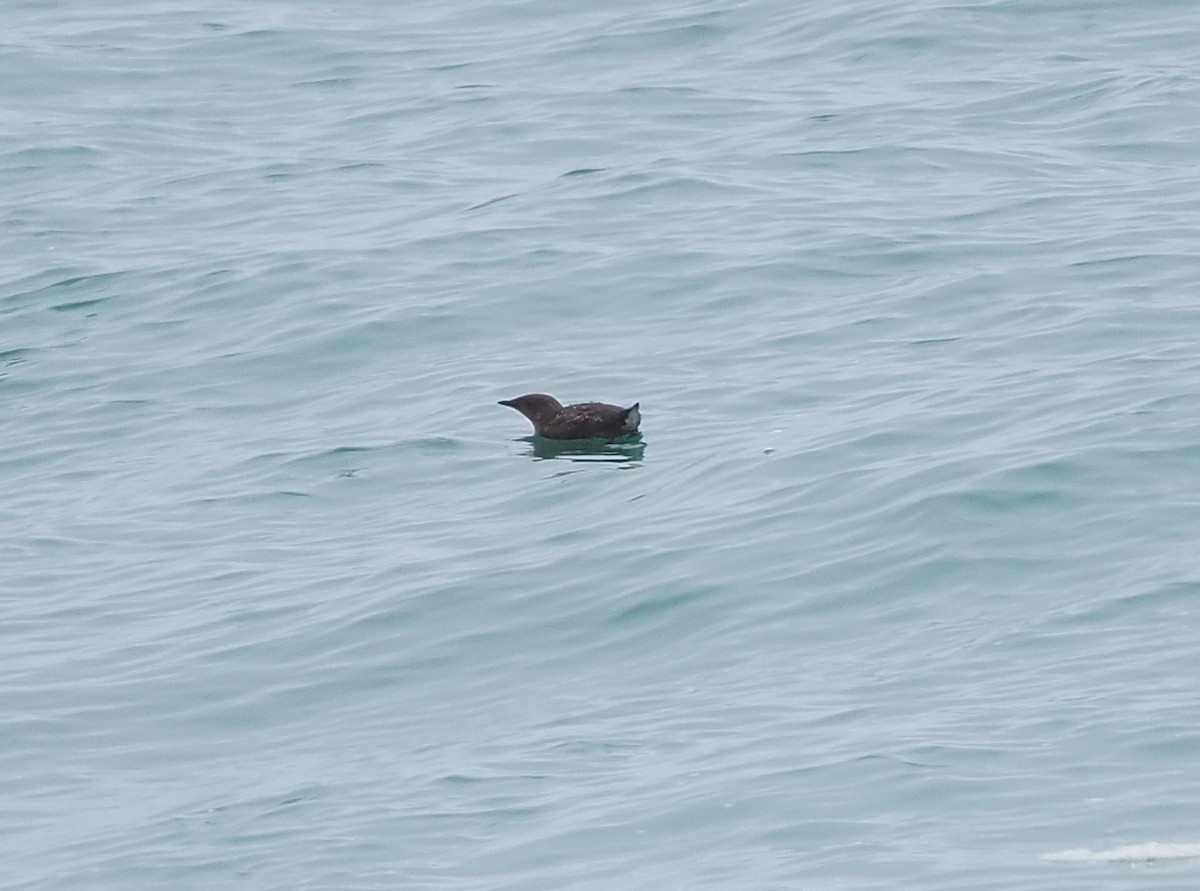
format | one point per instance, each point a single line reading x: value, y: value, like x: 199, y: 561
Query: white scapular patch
x: 633, y: 419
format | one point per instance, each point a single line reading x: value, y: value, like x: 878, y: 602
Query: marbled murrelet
x: 584, y: 420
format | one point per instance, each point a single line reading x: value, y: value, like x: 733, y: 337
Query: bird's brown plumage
x: 583, y: 420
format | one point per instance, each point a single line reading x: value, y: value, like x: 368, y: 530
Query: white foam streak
x: 1143, y: 853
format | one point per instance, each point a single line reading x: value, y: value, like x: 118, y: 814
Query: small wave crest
x: 1143, y: 853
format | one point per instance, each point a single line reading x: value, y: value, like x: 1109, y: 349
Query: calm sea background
x: 900, y: 589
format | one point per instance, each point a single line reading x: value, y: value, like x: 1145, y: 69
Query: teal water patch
x: 896, y: 587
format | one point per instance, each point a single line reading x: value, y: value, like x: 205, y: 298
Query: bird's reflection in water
x: 628, y: 451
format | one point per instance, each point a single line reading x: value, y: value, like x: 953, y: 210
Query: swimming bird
x: 584, y: 420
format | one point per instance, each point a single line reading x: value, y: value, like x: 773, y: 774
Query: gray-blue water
x: 898, y: 590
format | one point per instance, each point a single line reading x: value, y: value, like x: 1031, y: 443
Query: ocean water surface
x: 898, y: 588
